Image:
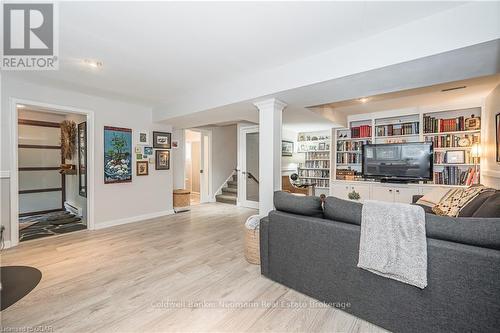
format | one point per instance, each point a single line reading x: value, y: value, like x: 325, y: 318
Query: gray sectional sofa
x: 315, y: 251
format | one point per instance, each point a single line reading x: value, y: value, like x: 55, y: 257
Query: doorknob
x: 244, y: 172
x: 201, y: 171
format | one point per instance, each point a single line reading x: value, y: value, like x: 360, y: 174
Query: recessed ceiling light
x: 21, y: 106
x: 363, y: 99
x: 93, y: 63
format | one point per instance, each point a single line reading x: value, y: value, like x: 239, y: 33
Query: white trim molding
x: 7, y: 244
x: 132, y: 219
x: 4, y: 174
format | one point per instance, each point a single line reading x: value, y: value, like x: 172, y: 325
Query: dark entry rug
x: 17, y: 282
x: 50, y: 224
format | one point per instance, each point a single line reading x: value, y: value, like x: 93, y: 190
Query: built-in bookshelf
x: 316, y: 166
x: 454, y: 134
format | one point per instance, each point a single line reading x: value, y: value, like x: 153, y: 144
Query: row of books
x: 315, y: 164
x: 442, y: 157
x: 350, y: 145
x: 317, y: 156
x: 434, y: 125
x: 453, y: 175
x: 363, y: 131
x: 397, y: 129
x: 317, y: 182
x: 344, y: 158
x: 314, y: 173
x: 450, y: 140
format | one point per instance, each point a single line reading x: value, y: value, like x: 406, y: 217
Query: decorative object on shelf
x: 455, y: 156
x: 353, y: 195
x: 162, y: 160
x: 162, y: 140
x: 464, y: 142
x: 148, y: 151
x: 138, y: 150
x: 142, y: 168
x: 472, y: 123
x: 82, y: 159
x: 117, y: 155
x: 321, y: 146
x: 175, y: 144
x: 68, y: 139
x: 142, y: 138
x: 497, y: 117
x: 67, y: 169
x: 286, y: 148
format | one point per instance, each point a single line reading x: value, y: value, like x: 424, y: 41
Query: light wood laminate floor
x: 141, y: 277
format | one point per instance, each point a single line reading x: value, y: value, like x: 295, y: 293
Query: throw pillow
x: 301, y: 205
x: 456, y: 199
x: 490, y: 208
x: 432, y: 198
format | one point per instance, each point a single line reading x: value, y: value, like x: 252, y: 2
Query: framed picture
x: 142, y: 168
x: 142, y: 138
x: 497, y: 121
x: 162, y: 161
x: 138, y: 156
x: 286, y: 148
x: 148, y: 151
x: 82, y: 159
x: 175, y: 144
x: 455, y: 156
x: 117, y: 155
x: 162, y: 140
x: 321, y: 146
x: 138, y: 150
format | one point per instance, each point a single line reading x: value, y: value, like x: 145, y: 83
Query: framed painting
x: 142, y: 168
x: 286, y: 148
x: 162, y: 140
x: 82, y: 159
x: 117, y: 155
x: 162, y: 161
x: 142, y: 138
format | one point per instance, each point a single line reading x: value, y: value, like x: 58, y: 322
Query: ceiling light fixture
x: 21, y: 106
x: 93, y: 63
x: 363, y: 99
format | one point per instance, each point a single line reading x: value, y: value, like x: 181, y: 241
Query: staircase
x: 229, y: 192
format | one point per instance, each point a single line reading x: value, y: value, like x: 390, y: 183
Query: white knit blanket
x: 393, y: 242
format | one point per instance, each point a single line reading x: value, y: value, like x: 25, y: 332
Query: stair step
x: 229, y: 199
x: 235, y: 178
x: 232, y: 184
x: 230, y: 190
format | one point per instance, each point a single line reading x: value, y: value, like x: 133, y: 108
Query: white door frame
x: 14, y: 172
x: 206, y: 193
x: 242, y: 178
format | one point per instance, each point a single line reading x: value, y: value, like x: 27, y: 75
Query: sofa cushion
x: 482, y: 232
x: 300, y: 205
x: 471, y: 207
x: 343, y: 210
x: 490, y: 208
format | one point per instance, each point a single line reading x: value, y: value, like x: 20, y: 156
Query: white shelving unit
x: 316, y: 167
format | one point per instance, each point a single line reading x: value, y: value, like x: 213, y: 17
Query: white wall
x: 114, y: 203
x: 490, y: 169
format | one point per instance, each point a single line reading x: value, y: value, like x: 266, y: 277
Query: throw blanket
x: 457, y: 199
x: 393, y: 242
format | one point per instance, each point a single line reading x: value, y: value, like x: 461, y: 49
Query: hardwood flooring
x: 182, y: 273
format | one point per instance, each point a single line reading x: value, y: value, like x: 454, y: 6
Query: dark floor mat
x: 65, y: 221
x: 35, y: 236
x: 69, y: 228
x: 59, y: 216
x: 17, y: 282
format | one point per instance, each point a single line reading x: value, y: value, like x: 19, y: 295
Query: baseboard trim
x: 7, y: 244
x: 138, y: 218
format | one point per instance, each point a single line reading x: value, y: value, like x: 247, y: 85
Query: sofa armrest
x: 415, y: 198
x: 264, y: 246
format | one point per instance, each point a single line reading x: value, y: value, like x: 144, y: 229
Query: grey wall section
x: 489, y: 167
x: 5, y: 206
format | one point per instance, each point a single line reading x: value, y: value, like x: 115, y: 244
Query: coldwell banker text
x: 29, y: 36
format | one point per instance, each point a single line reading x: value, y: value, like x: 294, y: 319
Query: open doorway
x: 51, y: 186
x: 193, y: 166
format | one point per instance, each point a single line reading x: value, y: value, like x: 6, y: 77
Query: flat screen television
x: 411, y: 161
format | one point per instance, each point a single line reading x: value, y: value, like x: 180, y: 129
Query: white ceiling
x: 157, y: 51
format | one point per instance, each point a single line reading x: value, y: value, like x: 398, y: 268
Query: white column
x: 270, y: 122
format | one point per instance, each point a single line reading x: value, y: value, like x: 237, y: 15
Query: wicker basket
x: 252, y: 246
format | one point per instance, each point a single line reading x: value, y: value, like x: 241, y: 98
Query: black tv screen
x: 405, y: 161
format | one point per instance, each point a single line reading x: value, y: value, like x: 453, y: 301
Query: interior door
x: 205, y: 186
x: 248, y: 177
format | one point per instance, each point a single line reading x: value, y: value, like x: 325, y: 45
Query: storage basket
x: 252, y: 240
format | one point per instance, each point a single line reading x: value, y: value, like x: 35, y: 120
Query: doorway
x: 197, y: 168
x: 248, y: 176
x: 51, y: 193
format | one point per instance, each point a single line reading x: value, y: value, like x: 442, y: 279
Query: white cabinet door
x: 405, y: 195
x: 340, y: 190
x: 382, y: 193
x: 362, y: 190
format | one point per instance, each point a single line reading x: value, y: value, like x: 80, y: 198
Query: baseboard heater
x: 72, y: 208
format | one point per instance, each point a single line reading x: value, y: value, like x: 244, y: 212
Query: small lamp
x: 475, y: 153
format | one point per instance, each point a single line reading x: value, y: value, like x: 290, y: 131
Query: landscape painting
x: 117, y: 155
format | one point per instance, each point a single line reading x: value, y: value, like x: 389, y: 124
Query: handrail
x: 249, y: 175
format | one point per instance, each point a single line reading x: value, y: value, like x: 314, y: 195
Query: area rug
x: 17, y: 282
